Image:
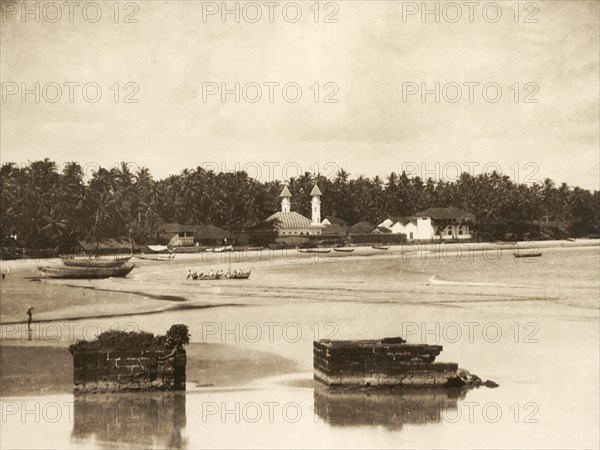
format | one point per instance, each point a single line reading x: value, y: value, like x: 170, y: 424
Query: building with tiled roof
x: 332, y: 220
x: 433, y: 223
x: 292, y: 224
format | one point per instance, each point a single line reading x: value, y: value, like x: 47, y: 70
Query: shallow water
x: 531, y: 326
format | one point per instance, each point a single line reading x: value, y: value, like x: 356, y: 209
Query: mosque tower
x: 316, y: 205
x: 285, y: 200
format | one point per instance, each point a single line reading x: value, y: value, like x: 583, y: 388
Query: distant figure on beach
x: 4, y: 275
x: 189, y: 275
x: 29, y: 317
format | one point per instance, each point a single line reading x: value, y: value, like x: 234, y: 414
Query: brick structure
x: 385, y: 362
x: 123, y: 371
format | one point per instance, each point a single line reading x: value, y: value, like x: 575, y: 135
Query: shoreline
x: 267, y: 254
x: 139, y: 294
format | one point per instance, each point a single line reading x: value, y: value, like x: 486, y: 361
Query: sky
x: 354, y: 75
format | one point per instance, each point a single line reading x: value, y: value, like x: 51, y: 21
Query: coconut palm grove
x: 44, y: 206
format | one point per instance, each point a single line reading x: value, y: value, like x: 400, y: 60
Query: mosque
x: 289, y: 223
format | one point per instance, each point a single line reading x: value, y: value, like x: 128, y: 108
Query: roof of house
x: 402, y: 220
x: 449, y: 213
x: 335, y: 220
x: 315, y: 191
x: 334, y: 228
x: 361, y: 227
x: 173, y: 227
x: 210, y: 232
x: 200, y: 231
x: 106, y: 244
x: 285, y: 192
x: 289, y: 220
x: 383, y: 230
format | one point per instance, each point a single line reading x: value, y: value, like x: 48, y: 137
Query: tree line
x: 46, y: 207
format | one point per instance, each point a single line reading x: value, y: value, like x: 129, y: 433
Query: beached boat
x: 380, y: 247
x: 227, y: 248
x: 95, y: 262
x: 314, y: 250
x: 156, y: 257
x: 527, y: 255
x: 86, y: 272
x: 343, y: 249
x: 256, y: 249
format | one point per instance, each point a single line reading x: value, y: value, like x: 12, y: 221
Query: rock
x: 491, y: 384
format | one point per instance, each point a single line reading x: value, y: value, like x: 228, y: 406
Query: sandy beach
x: 529, y: 324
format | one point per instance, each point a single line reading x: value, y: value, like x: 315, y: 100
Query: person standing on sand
x: 29, y: 317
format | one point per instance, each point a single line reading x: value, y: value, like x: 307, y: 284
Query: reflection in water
x: 144, y: 420
x: 389, y: 408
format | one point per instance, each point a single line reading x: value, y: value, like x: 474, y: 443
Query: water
x: 530, y: 326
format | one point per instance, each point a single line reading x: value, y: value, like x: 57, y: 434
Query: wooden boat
x: 343, y: 249
x: 380, y: 247
x: 86, y: 272
x: 156, y: 257
x: 314, y: 250
x: 237, y: 276
x: 256, y: 249
x: 95, y: 262
x: 227, y: 248
x: 527, y: 255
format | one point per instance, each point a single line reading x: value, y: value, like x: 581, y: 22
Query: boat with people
x: 220, y: 275
x: 90, y: 272
x: 88, y: 261
x: 380, y: 247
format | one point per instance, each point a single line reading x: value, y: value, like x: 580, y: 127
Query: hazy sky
x: 173, y: 54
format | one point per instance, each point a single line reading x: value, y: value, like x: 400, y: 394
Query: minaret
x: 285, y: 200
x: 316, y: 205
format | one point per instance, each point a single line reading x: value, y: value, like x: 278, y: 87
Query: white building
x: 433, y: 223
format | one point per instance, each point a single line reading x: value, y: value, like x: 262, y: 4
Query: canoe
x: 239, y: 276
x: 86, y: 272
x: 228, y: 248
x: 157, y: 257
x: 314, y: 250
x: 94, y: 262
x: 380, y: 247
x: 527, y: 255
x: 256, y: 249
x: 343, y: 250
